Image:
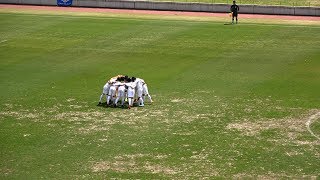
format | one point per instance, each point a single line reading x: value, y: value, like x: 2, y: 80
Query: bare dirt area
x: 150, y: 12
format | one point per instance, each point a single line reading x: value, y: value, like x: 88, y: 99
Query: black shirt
x: 234, y: 8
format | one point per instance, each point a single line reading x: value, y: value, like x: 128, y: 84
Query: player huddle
x: 121, y: 88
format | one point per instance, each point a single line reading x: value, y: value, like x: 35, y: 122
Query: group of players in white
x: 124, y: 88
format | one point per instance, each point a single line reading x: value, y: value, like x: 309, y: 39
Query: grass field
x: 230, y: 101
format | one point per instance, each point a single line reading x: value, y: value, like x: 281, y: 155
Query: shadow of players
x: 112, y: 105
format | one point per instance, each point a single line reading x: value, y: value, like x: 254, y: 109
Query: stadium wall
x: 177, y: 6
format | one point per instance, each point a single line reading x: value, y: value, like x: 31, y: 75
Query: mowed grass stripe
x: 230, y: 101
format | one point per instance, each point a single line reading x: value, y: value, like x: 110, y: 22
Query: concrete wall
x: 30, y: 2
x: 176, y: 6
x: 307, y: 11
x: 48, y: 2
x: 9, y: 1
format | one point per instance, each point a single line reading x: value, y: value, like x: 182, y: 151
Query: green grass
x: 230, y: 101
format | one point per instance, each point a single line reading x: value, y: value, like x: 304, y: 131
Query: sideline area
x: 175, y: 15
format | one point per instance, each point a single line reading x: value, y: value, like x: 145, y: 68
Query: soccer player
x: 106, y: 87
x: 145, y: 92
x: 130, y: 92
x: 234, y: 9
x: 111, y: 94
x: 105, y: 92
x: 139, y: 89
x: 120, y: 92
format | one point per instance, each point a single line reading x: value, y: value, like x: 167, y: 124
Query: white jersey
x: 118, y: 84
x: 140, y: 80
x: 131, y: 89
x: 112, y: 91
x: 106, y: 88
x: 139, y: 83
x: 121, y: 90
x: 131, y: 85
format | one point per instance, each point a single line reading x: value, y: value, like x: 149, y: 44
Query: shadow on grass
x: 104, y: 105
x: 125, y: 106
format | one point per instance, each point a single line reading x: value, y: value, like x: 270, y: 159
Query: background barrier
x: 176, y: 6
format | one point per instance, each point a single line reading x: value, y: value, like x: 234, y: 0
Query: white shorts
x: 106, y: 89
x: 112, y: 91
x: 145, y: 89
x: 131, y: 92
x: 121, y: 91
x: 139, y: 89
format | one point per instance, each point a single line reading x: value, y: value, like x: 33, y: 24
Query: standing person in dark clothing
x: 234, y: 9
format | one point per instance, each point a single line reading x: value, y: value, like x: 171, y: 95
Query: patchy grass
x: 230, y: 101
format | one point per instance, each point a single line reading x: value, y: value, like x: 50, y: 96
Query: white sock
x: 116, y: 101
x: 141, y: 101
x: 130, y: 101
x: 122, y: 100
x: 108, y: 99
x: 149, y: 97
x: 101, y: 98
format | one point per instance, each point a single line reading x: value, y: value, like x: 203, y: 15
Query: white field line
x: 309, y: 122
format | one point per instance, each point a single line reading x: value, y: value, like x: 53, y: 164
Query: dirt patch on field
x: 255, y: 128
x: 135, y: 163
x: 198, y: 165
x: 290, y: 128
x: 70, y: 100
x: 6, y: 171
x: 156, y: 169
x: 117, y: 166
x: 177, y: 100
x: 79, y: 116
x: 171, y: 119
x: 272, y: 176
x: 23, y: 114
